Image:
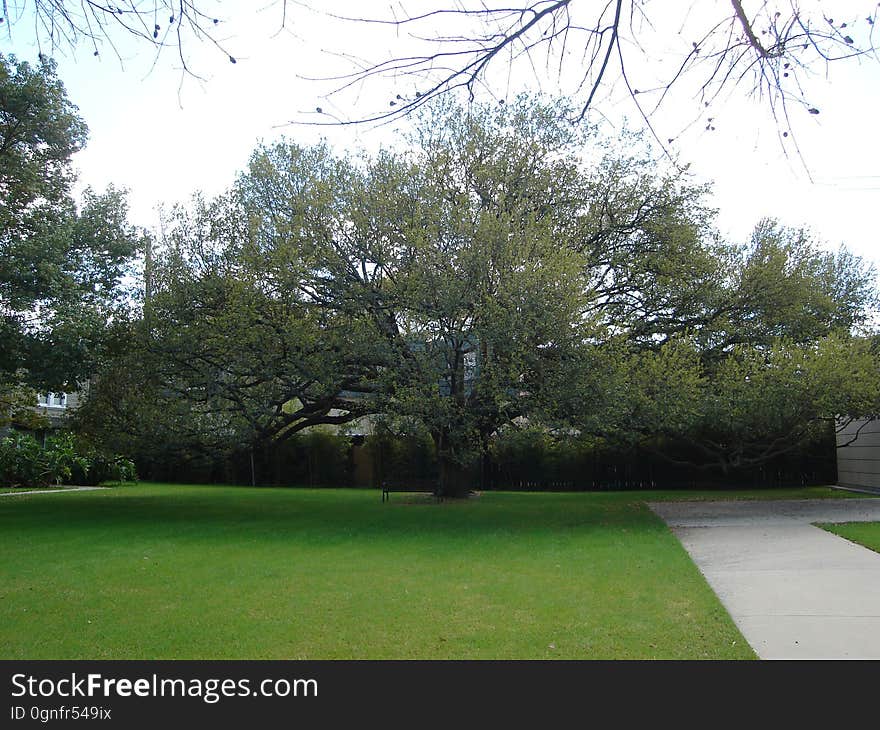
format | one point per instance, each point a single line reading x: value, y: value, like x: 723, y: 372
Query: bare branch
x: 747, y: 28
x: 458, y: 46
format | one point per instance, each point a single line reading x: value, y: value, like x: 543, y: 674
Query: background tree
x: 61, y: 269
x: 39, y: 133
x: 757, y: 404
x: 776, y: 355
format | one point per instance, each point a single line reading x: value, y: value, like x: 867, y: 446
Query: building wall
x: 858, y: 464
x: 56, y: 407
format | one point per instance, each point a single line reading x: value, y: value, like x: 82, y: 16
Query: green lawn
x: 160, y: 571
x: 864, y: 533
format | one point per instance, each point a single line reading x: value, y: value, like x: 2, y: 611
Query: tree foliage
x: 61, y: 265
x: 757, y: 403
x: 762, y: 361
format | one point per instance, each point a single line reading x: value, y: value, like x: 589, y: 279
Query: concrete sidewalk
x: 794, y: 590
x: 51, y: 491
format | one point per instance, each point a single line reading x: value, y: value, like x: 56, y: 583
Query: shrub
x: 327, y: 457
x: 533, y: 458
x: 24, y: 462
x: 20, y: 460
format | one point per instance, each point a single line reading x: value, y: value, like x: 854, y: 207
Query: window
x: 53, y: 400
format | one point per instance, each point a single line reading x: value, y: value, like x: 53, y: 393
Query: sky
x: 164, y: 134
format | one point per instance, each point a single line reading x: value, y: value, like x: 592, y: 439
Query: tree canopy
x: 505, y: 269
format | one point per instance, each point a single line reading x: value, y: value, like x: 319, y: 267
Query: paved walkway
x: 52, y: 491
x: 794, y: 590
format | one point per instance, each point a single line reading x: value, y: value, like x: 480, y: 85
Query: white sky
x: 164, y: 140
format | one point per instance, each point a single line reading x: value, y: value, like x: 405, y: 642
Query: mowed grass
x: 866, y: 534
x: 192, y: 572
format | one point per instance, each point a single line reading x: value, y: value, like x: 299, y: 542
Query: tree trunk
x: 455, y: 479
x: 485, y: 460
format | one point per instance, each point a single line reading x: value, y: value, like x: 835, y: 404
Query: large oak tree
x: 505, y: 269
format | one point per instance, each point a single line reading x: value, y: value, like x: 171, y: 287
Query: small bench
x: 409, y: 485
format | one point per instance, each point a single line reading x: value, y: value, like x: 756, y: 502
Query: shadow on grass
x: 215, y: 513
x: 203, y: 512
